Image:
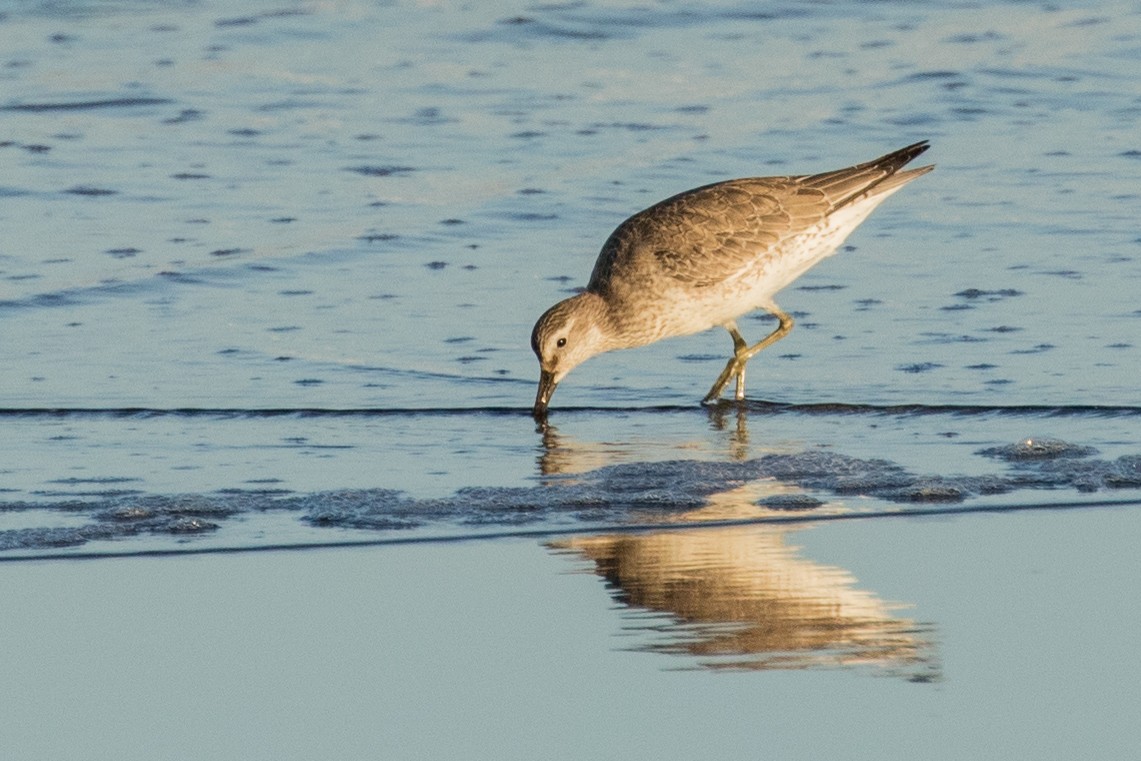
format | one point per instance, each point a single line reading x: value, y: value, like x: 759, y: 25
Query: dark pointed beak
x: 547, y: 384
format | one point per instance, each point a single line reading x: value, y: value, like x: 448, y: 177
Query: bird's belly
x: 672, y: 307
x: 773, y: 273
x: 697, y: 309
x: 755, y: 287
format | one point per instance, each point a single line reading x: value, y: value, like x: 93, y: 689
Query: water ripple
x: 631, y: 494
x: 753, y: 407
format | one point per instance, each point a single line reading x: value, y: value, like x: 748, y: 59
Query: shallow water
x: 186, y: 481
x: 267, y: 280
x: 360, y: 205
x: 1013, y: 635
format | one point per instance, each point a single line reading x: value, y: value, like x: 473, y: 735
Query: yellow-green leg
x: 742, y: 353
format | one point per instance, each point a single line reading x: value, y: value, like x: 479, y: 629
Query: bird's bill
x: 547, y: 385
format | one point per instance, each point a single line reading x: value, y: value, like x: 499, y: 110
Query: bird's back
x: 726, y: 248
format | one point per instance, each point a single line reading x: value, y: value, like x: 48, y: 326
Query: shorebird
x: 707, y: 256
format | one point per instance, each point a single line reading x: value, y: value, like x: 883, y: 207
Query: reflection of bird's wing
x: 705, y: 236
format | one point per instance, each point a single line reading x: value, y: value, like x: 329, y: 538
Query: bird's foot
x: 734, y: 369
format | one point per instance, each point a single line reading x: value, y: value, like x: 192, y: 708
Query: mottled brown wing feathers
x: 706, y: 235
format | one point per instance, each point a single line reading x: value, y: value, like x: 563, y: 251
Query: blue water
x: 268, y: 275
x: 368, y: 205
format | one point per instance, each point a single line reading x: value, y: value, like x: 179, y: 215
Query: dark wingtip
x: 897, y: 159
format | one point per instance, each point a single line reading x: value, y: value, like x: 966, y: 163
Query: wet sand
x: 505, y: 650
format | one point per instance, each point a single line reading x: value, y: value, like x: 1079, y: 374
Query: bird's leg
x: 739, y: 347
x: 734, y: 369
x: 786, y: 323
x: 742, y: 353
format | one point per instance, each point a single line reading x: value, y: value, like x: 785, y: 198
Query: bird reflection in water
x: 742, y: 597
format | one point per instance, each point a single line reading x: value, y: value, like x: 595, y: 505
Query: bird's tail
x: 877, y: 177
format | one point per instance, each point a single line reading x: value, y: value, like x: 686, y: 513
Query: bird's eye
x: 561, y: 342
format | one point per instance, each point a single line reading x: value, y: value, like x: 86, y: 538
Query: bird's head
x: 568, y: 334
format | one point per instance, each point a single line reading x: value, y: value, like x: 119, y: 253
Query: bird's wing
x: 708, y: 235
x: 705, y: 236
x: 872, y: 178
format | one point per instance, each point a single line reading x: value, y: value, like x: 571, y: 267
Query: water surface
x: 267, y: 279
